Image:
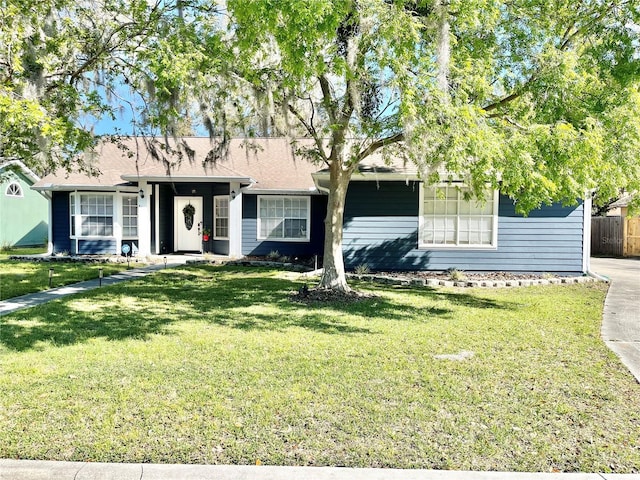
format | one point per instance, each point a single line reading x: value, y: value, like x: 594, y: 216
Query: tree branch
x: 378, y: 144
x: 312, y: 131
x: 327, y: 98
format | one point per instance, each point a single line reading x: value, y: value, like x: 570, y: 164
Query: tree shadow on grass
x: 459, y: 298
x: 235, y: 298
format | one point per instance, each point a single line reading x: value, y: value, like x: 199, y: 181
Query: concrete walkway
x: 621, y: 317
x: 25, y: 301
x: 37, y: 470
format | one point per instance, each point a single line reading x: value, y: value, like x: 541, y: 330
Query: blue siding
x: 97, y: 247
x: 61, y: 228
x: 252, y: 246
x: 381, y: 230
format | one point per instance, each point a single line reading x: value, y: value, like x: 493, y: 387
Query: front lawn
x: 22, y: 277
x: 217, y: 365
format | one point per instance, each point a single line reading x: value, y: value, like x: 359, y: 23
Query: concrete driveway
x: 621, y: 318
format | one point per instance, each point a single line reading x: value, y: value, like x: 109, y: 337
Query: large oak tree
x: 539, y: 98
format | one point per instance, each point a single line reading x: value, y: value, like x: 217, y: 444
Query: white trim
x: 26, y: 170
x: 75, y: 206
x: 305, y: 239
x: 235, y: 220
x: 466, y: 247
x: 186, y: 178
x: 124, y: 197
x: 215, y: 217
x: 282, y: 191
x: 144, y: 220
x: 371, y: 176
x: 20, y: 193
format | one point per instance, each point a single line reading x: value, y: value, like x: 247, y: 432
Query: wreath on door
x: 188, y: 211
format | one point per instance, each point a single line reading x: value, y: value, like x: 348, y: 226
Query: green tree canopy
x: 66, y: 63
x: 539, y: 98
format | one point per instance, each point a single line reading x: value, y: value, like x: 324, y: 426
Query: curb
x: 435, y: 282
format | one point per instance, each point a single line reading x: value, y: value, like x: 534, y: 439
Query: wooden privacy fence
x: 631, y: 238
x: 618, y: 236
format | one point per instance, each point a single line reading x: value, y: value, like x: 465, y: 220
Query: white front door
x: 187, y: 223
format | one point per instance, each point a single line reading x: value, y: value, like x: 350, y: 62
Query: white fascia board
x: 26, y: 170
x: 190, y: 179
x: 69, y: 188
x: 281, y: 191
x: 370, y: 176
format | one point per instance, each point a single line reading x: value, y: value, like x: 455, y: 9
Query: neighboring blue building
x: 261, y: 197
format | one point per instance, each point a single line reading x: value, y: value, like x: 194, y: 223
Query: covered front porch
x: 190, y: 217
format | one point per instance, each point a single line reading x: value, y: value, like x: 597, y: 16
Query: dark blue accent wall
x: 252, y: 246
x: 61, y: 227
x: 165, y: 219
x: 166, y: 210
x: 381, y: 230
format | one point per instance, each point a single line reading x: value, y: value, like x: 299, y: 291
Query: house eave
x: 26, y: 170
x: 187, y: 179
x: 84, y: 187
x: 282, y: 191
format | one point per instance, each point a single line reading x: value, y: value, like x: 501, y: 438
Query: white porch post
x: 235, y: 220
x: 144, y: 220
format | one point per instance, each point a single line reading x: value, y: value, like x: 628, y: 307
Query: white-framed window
x: 284, y: 218
x: 14, y: 190
x: 130, y: 216
x: 91, y: 215
x: 450, y: 219
x: 221, y: 217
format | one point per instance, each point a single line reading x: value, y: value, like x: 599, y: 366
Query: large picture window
x: 448, y: 219
x: 221, y: 217
x: 130, y: 216
x: 283, y: 218
x: 91, y: 215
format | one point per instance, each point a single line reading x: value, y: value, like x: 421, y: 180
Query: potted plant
x: 206, y: 233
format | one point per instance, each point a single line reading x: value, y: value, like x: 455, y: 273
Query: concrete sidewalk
x: 621, y: 316
x: 39, y: 470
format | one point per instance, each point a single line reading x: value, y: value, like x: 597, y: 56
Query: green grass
x: 217, y: 365
x: 7, y: 251
x: 21, y: 277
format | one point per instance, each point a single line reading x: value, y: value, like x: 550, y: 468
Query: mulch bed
x: 310, y: 296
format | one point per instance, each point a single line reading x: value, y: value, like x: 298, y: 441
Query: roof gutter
x: 281, y: 191
x: 50, y: 187
x: 187, y: 178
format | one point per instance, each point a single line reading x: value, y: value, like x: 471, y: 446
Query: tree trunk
x: 333, y: 276
x: 443, y: 56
